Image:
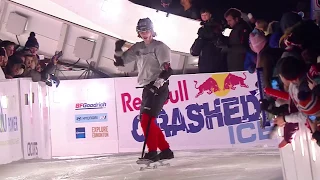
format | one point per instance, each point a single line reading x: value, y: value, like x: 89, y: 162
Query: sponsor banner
x: 83, y: 111
x: 10, y: 128
x: 97, y: 105
x: 210, y: 110
x: 100, y: 132
x: 88, y: 118
x: 80, y: 133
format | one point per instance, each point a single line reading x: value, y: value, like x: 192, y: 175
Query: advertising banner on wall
x: 203, y: 111
x: 83, y: 118
x: 10, y: 128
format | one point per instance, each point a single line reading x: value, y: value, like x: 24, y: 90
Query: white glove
x: 159, y: 82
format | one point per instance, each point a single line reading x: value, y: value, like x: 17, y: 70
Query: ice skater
x: 153, y: 63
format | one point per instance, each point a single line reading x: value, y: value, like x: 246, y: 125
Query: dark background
x: 268, y: 10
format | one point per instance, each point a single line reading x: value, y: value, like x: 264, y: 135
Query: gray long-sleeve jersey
x: 149, y: 59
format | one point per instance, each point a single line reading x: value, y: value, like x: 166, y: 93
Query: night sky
x: 268, y: 10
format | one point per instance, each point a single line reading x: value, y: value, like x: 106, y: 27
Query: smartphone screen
x: 312, y: 118
x: 275, y: 84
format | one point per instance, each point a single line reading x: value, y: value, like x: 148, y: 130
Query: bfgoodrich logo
x: 86, y: 118
x: 80, y: 133
x: 98, y: 105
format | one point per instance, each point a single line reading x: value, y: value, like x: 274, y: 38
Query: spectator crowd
x: 17, y: 62
x: 287, y: 51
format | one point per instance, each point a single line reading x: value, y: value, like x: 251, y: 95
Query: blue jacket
x: 250, y: 61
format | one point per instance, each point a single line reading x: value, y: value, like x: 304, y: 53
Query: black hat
x: 291, y: 68
x: 32, y: 41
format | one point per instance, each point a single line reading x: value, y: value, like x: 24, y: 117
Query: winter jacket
x: 267, y: 58
x: 250, y: 61
x: 274, y: 39
x: 210, y: 56
x: 238, y: 45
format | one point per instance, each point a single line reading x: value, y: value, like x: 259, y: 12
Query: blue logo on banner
x: 81, y: 133
x: 86, y: 118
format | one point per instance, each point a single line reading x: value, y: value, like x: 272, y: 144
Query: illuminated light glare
x: 279, y: 132
x: 313, y: 151
x: 112, y: 7
x: 227, y: 32
x: 4, y: 102
x: 302, y: 146
x: 293, y: 145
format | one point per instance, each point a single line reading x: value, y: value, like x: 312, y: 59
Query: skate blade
x: 144, y: 161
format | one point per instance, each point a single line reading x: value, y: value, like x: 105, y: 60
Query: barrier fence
x: 100, y: 116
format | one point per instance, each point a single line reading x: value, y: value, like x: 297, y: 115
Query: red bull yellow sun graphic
x: 221, y: 84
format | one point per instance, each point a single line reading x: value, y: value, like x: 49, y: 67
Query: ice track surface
x: 250, y: 164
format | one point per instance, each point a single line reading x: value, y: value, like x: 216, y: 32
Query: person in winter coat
x: 238, y: 41
x: 14, y: 68
x: 267, y: 57
x: 32, y: 44
x: 292, y: 69
x: 210, y: 56
x: 274, y: 34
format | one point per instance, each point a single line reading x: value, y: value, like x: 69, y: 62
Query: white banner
x: 83, y: 118
x: 204, y: 111
x: 10, y: 128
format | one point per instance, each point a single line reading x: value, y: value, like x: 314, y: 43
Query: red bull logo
x: 221, y: 84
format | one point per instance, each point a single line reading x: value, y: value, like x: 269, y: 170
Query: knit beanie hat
x: 257, y: 40
x: 32, y: 41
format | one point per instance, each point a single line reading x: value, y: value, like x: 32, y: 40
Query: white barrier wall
x: 99, y: 116
x: 204, y: 111
x: 300, y: 159
x: 10, y: 127
x: 83, y: 118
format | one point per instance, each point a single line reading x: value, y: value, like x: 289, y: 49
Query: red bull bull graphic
x: 232, y: 80
x: 221, y: 84
x: 209, y: 86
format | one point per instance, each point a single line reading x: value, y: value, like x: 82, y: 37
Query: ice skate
x: 151, y: 158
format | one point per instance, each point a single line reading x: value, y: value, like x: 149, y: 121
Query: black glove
x: 52, y: 80
x: 119, y: 45
x: 281, y: 110
x: 201, y: 32
x: 264, y: 104
x: 118, y: 61
x: 55, y: 80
